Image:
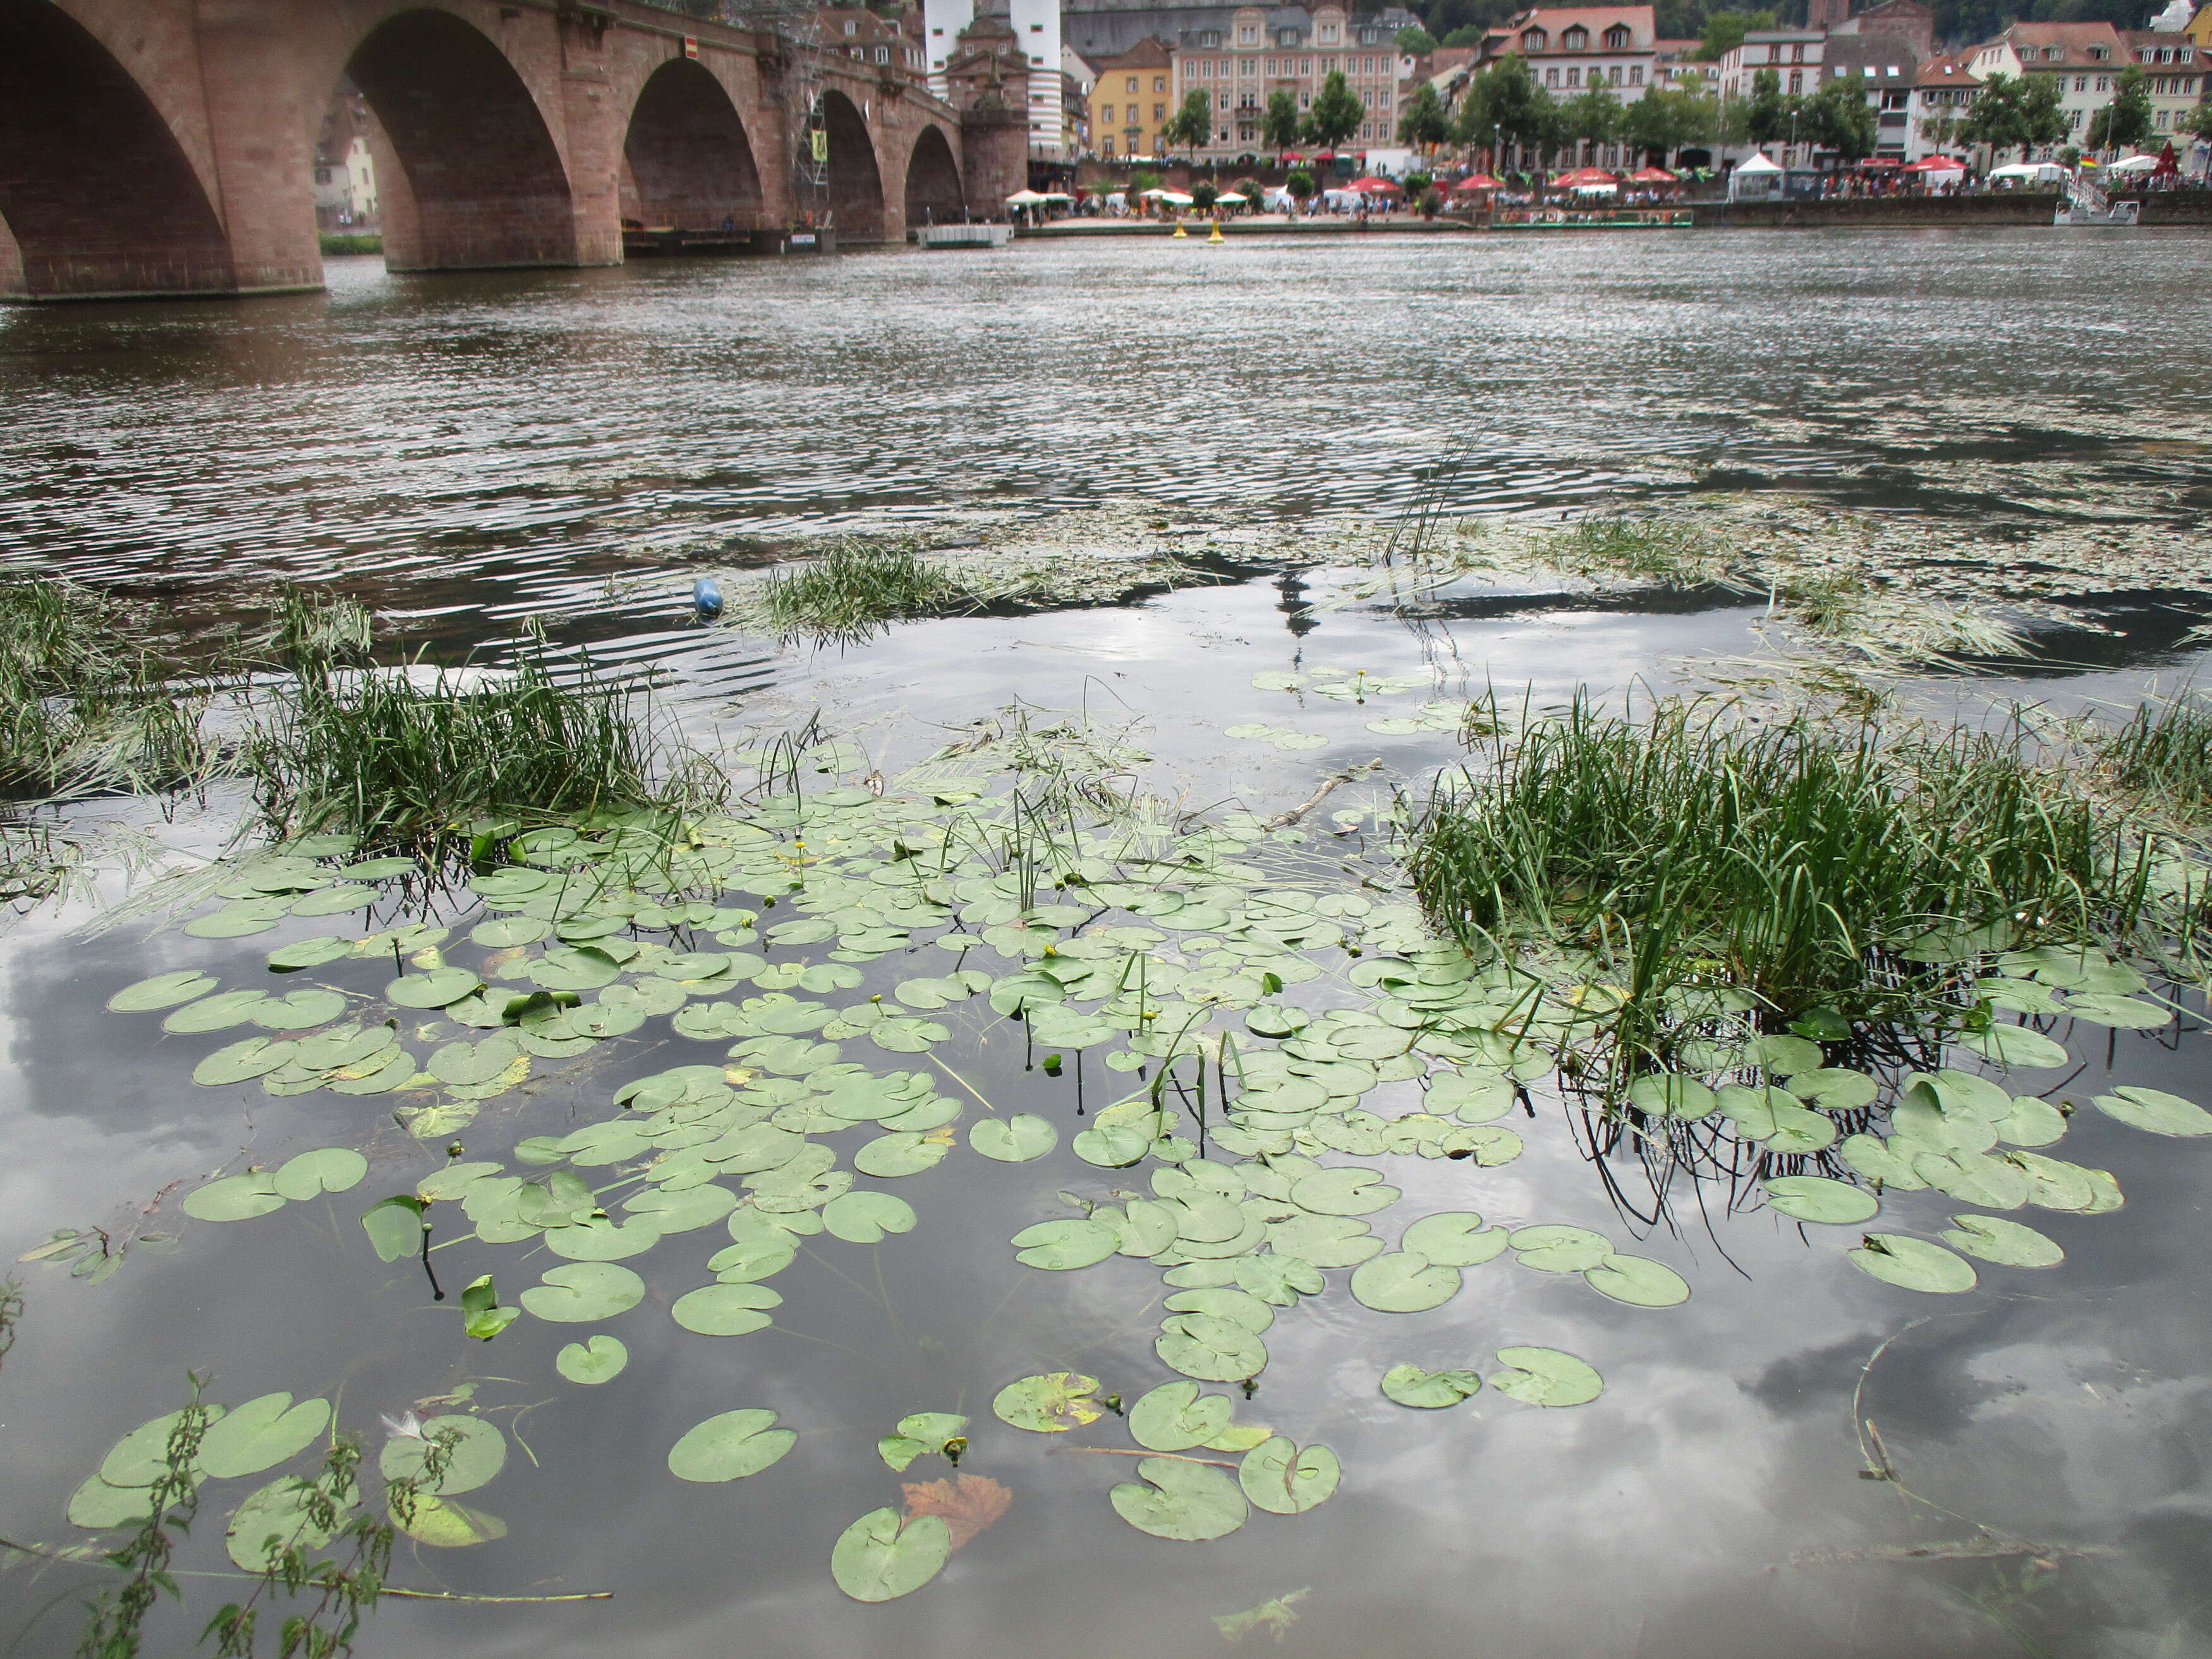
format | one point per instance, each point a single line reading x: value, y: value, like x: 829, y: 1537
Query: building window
x: 1617, y: 38
x: 1133, y: 83
x: 1106, y: 117
x: 1636, y: 75
x: 1551, y: 78
x: 1575, y: 39
x: 1106, y: 145
x: 2100, y: 53
x: 1160, y: 112
x: 1247, y: 36
x: 1575, y: 77
x: 1159, y: 83
x: 1797, y: 81
x: 1328, y: 34
x: 1305, y: 66
x: 1797, y: 54
x: 1614, y: 75
x: 2162, y: 115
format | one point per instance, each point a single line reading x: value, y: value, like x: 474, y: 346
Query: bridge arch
x: 933, y: 191
x: 483, y: 182
x: 686, y: 158
x: 96, y: 194
x: 856, y: 184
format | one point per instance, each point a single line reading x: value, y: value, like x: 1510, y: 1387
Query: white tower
x: 1036, y: 28
x: 944, y: 20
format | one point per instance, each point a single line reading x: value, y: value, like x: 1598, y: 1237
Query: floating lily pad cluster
x: 820, y: 946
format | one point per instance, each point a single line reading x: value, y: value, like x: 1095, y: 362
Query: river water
x: 474, y: 455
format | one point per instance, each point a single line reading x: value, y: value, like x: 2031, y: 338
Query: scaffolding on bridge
x: 795, y: 27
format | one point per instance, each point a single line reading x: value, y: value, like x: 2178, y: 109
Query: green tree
x: 1518, y: 111
x: 1766, y: 112
x: 1468, y: 34
x: 1335, y: 115
x: 2124, y: 123
x: 1724, y: 31
x: 1592, y: 116
x: 1279, y: 124
x: 1472, y: 127
x: 1300, y: 183
x: 1416, y: 40
x: 1191, y: 127
x: 1416, y: 183
x: 1667, y: 119
x: 1203, y: 196
x: 1426, y: 123
x: 1838, y: 117
x: 2015, y: 113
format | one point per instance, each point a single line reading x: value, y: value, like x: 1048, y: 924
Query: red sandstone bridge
x: 166, y: 147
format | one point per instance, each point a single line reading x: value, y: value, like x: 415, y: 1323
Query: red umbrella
x: 2168, y: 164
x: 1586, y: 176
x: 1373, y: 183
x: 1290, y: 155
x: 1652, y: 176
x: 1479, y: 181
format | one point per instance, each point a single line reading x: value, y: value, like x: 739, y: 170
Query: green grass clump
x: 853, y: 589
x: 339, y: 243
x: 1646, y: 549
x: 2163, y: 755
x: 87, y: 697
x: 404, y: 764
x: 1804, y: 865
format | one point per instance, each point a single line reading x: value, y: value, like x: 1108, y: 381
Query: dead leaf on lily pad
x: 970, y: 1506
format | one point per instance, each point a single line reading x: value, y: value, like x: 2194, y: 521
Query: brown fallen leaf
x: 968, y: 1506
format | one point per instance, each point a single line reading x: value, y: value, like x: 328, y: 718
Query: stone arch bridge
x: 166, y: 147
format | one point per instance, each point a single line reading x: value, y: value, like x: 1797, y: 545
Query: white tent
x: 1755, y: 181
x: 1230, y: 198
x: 2030, y: 173
x: 2132, y: 164
x: 1024, y: 198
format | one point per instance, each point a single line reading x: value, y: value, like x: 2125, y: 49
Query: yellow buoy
x: 1217, y: 236
x: 1180, y: 231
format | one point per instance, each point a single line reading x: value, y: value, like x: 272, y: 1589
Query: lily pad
x: 881, y: 1557
x: 1914, y: 1264
x: 730, y: 1309
x: 903, y: 1152
x: 1454, y: 1238
x: 1818, y: 1199
x: 1285, y: 1481
x: 241, y: 1062
x: 1545, y: 1376
x: 1015, y: 1140
x: 478, y: 1453
x: 1409, y: 1385
x: 1185, y: 1501
x: 235, y: 1198
x: 1554, y: 1249
x: 1343, y: 1193
x: 2005, y: 1242
x: 600, y: 1359
x: 1051, y: 1403
x: 1639, y: 1281
x: 274, y: 1518
x: 730, y: 1446
x: 444, y: 1525
x: 261, y: 1434
x: 98, y: 1506
x: 1281, y: 1279
x: 2014, y: 1045
x: 1112, y: 1146
x: 331, y: 1170
x: 864, y: 1217
x: 434, y: 989
x: 1404, y: 1281
x: 162, y: 991
x: 1210, y: 1348
x: 1176, y: 1416
x: 2155, y: 1111
x: 1059, y: 1245
x: 2129, y: 1013
x: 583, y: 1290
x: 213, y: 1013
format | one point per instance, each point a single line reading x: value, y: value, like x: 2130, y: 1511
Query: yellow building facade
x: 1131, y: 102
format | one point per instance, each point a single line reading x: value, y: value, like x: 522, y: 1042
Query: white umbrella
x: 1025, y: 199
x: 2133, y: 164
x: 1759, y: 164
x: 1231, y: 196
x: 1056, y: 196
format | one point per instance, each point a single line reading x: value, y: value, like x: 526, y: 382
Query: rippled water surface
x: 469, y: 453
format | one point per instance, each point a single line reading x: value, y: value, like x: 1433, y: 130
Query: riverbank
x: 1265, y: 224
